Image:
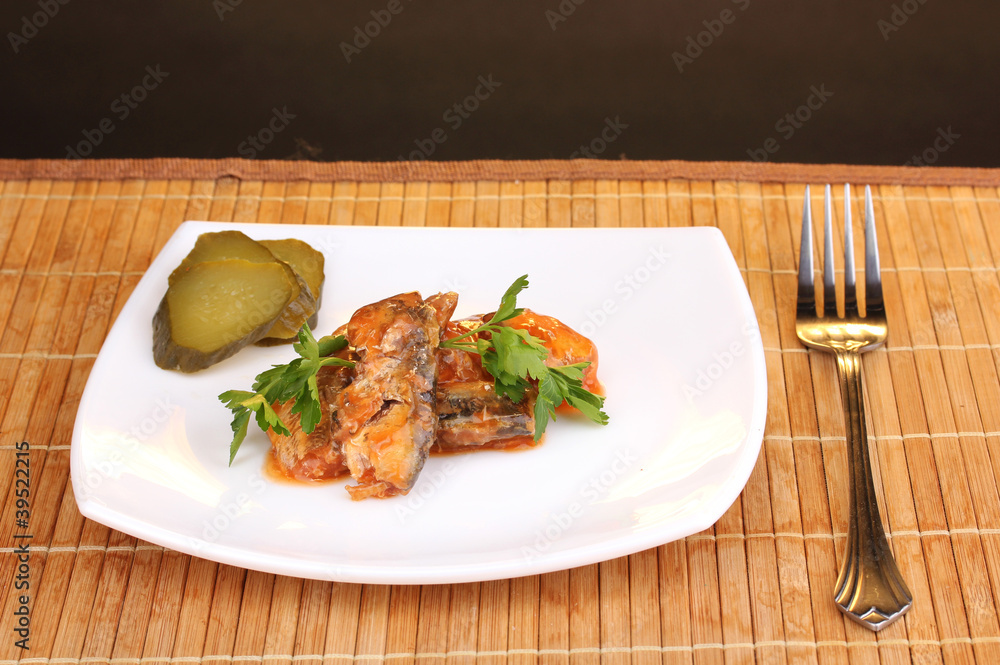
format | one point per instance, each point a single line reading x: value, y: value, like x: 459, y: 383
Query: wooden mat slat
x: 781, y: 458
x: 111, y: 586
x: 165, y: 612
x: 727, y: 537
x: 753, y: 588
x: 759, y: 507
x: 930, y: 499
x: 494, y: 170
x: 946, y: 378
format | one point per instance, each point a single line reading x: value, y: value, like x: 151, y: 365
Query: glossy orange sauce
x: 314, y: 471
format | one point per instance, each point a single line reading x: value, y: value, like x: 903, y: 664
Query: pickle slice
x: 216, y: 308
x: 220, y: 245
x: 307, y: 263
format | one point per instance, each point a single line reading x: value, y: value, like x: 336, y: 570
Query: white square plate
x: 680, y: 357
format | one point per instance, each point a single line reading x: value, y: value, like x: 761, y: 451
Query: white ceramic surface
x: 680, y: 357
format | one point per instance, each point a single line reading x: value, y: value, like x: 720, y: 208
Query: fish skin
x: 387, y: 414
x: 471, y: 415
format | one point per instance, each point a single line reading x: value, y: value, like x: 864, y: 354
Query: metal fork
x: 870, y: 589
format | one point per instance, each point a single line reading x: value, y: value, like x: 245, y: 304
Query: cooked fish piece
x: 387, y: 414
x: 456, y: 364
x: 444, y: 305
x: 406, y: 396
x: 317, y: 455
x: 471, y: 415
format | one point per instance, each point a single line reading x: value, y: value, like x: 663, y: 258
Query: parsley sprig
x: 514, y: 358
x: 294, y: 380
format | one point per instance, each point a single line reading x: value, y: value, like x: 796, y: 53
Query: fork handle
x: 870, y: 588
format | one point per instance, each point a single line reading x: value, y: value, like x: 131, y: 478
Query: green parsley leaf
x: 307, y: 347
x: 307, y: 404
x: 519, y: 353
x: 244, y: 403
x: 549, y: 397
x: 269, y: 382
x: 561, y: 384
x: 570, y: 381
x: 508, y: 303
x: 515, y: 358
x: 241, y: 420
x: 330, y: 344
x: 294, y: 380
x: 505, y: 385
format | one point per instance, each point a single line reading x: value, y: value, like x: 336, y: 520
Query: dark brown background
x: 891, y: 98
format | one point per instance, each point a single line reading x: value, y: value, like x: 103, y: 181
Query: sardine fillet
x: 387, y: 414
x: 471, y: 415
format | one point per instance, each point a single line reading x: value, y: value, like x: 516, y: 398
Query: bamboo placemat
x: 756, y: 587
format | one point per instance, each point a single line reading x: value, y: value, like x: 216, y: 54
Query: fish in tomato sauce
x: 565, y: 345
x: 317, y: 455
x: 406, y: 397
x: 471, y: 415
x: 387, y: 413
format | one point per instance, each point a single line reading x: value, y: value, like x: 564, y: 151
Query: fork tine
x: 807, y: 294
x: 850, y: 293
x: 873, y: 274
x: 829, y: 276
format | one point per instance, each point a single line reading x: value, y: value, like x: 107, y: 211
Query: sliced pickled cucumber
x: 305, y: 261
x: 216, y: 308
x: 221, y: 245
